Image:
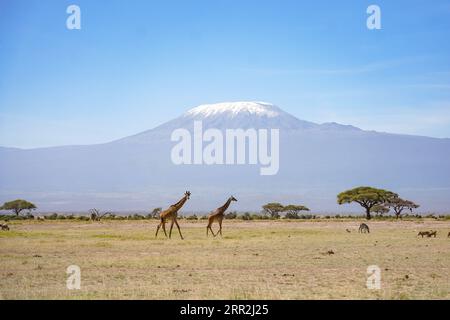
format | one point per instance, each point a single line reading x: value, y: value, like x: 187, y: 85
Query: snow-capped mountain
x: 241, y: 115
x: 316, y: 162
x: 232, y: 115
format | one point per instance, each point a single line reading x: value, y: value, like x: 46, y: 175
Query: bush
x: 6, y: 217
x: 247, y: 216
x: 192, y: 217
x: 290, y: 215
x: 231, y: 215
x: 53, y: 216
x: 136, y: 217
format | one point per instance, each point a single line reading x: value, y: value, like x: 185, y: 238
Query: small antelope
x: 348, y: 230
x: 424, y: 233
x: 363, y: 228
x: 4, y: 227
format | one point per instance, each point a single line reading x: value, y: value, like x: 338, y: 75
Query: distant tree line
x: 375, y: 202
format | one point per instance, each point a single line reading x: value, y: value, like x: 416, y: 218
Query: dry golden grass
x: 254, y: 260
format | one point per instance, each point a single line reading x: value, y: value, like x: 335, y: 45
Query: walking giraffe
x: 172, y: 214
x: 217, y: 215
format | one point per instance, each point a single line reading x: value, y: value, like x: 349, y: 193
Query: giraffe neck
x: 180, y: 203
x: 225, y: 206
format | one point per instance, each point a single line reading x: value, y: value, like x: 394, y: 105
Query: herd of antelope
x: 218, y: 215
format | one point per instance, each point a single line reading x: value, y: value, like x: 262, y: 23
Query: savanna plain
x: 253, y: 260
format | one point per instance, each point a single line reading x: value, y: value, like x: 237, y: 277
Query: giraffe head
x: 233, y: 198
x: 187, y: 194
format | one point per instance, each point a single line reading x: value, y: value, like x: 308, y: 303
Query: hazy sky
x: 136, y: 64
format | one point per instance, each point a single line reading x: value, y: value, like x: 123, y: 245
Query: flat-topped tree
x: 292, y: 210
x: 273, y: 209
x: 366, y: 197
x: 399, y: 204
x: 17, y: 206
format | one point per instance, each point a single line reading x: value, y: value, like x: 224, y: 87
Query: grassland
x: 253, y: 260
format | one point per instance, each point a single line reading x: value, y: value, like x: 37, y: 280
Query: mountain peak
x: 233, y: 109
x: 238, y: 115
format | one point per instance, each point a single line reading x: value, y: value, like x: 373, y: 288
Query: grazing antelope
x: 217, y: 215
x: 4, y: 227
x: 363, y: 228
x: 432, y: 234
x: 424, y: 233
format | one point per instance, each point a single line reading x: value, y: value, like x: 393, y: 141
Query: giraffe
x: 172, y: 213
x: 217, y: 215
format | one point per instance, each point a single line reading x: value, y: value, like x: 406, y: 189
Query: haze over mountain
x: 316, y: 162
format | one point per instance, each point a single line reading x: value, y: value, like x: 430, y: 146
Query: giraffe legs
x: 163, y: 224
x: 179, y: 230
x: 171, y: 227
x: 209, y: 228
x: 220, y: 227
x: 164, y: 227
x: 157, y: 229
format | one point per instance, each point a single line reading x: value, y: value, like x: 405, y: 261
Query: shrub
x: 291, y: 215
x: 136, y: 217
x: 231, y: 215
x: 53, y: 216
x: 246, y: 216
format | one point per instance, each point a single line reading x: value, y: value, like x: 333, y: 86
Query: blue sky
x: 136, y: 64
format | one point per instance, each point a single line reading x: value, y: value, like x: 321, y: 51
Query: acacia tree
x: 399, y: 204
x: 273, y: 209
x: 366, y: 197
x: 380, y: 209
x: 293, y: 210
x: 96, y: 215
x: 155, y: 212
x: 17, y: 206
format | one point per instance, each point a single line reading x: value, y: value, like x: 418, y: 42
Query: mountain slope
x: 316, y: 162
